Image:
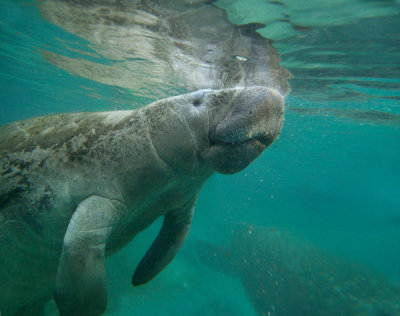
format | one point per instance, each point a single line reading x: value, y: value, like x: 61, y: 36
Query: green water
x: 333, y: 176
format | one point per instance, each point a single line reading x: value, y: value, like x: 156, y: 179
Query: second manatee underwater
x: 285, y: 276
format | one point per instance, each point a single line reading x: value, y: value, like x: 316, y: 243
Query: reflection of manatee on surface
x: 284, y: 276
x: 159, y: 47
x: 363, y: 116
x: 77, y: 187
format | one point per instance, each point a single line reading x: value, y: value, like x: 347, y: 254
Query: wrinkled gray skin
x: 285, y: 276
x: 75, y: 188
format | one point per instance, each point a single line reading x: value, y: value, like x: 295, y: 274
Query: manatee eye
x: 196, y: 102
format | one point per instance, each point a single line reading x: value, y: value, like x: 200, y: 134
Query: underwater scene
x: 273, y: 134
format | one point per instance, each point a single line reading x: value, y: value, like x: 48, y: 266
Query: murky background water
x: 332, y: 178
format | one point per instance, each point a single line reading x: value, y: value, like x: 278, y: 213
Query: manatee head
x: 224, y: 129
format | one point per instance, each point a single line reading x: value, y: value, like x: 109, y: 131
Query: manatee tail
x: 215, y: 257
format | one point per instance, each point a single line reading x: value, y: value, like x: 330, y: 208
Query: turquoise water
x: 332, y: 178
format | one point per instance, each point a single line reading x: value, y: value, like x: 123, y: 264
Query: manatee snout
x: 255, y: 112
x: 248, y: 122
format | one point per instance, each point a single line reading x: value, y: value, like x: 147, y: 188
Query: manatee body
x: 75, y: 188
x: 284, y: 276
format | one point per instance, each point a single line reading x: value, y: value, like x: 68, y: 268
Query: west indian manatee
x: 75, y: 188
x: 159, y: 48
x: 285, y: 276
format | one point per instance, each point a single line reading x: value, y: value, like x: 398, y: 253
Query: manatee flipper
x: 81, y: 278
x: 173, y: 232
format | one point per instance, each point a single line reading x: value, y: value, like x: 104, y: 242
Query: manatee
x: 75, y: 188
x: 285, y: 276
x: 158, y: 47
